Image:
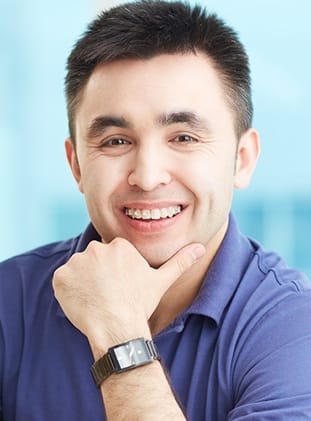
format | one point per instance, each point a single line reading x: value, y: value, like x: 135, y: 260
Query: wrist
x: 124, y: 357
x: 103, y: 340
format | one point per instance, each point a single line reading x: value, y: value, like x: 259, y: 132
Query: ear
x: 73, y: 162
x: 247, y: 155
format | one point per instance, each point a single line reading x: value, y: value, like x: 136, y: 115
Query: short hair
x: 147, y: 28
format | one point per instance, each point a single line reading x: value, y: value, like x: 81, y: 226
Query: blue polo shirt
x: 241, y: 351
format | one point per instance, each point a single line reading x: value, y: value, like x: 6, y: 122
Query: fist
x: 109, y: 291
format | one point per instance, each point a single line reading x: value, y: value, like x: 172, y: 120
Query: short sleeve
x: 272, y: 373
x: 1, y: 366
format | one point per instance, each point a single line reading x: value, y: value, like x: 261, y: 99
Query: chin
x: 157, y: 256
x: 155, y: 261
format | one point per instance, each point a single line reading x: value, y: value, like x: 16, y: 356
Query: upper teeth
x: 153, y: 213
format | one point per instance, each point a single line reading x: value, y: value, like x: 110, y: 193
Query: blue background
x: 39, y: 200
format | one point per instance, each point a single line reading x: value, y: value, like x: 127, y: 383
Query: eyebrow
x: 192, y: 119
x: 101, y: 123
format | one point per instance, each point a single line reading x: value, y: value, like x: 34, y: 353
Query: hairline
x: 225, y: 85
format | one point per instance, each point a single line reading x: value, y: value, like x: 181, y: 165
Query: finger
x: 181, y: 262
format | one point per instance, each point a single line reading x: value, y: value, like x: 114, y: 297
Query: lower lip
x: 154, y: 225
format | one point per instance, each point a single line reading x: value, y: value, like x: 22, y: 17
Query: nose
x: 150, y: 169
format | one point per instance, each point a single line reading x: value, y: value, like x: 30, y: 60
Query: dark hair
x: 147, y: 28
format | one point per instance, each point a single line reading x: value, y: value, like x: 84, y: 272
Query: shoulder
x: 270, y: 263
x: 26, y: 288
x: 24, y: 277
x: 268, y: 282
x: 279, y: 290
x: 36, y: 259
x: 269, y: 359
x: 271, y: 292
x: 267, y: 293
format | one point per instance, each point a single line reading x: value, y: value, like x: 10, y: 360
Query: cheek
x: 209, y: 180
x: 97, y: 185
x: 197, y: 172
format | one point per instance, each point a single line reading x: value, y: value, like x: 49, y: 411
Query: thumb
x: 180, y: 262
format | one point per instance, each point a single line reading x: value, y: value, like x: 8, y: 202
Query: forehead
x: 185, y: 72
x: 148, y: 88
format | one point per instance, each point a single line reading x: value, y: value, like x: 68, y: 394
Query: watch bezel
x: 136, y: 345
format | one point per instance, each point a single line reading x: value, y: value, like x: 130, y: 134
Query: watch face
x: 131, y: 354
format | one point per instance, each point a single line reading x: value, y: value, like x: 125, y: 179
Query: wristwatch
x: 124, y: 357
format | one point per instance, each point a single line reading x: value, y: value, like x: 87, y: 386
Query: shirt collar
x: 223, y: 276
x: 87, y: 236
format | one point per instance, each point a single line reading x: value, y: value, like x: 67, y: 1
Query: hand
x: 109, y: 291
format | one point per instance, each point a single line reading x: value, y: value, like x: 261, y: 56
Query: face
x: 156, y: 153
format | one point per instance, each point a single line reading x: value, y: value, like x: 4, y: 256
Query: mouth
x: 154, y: 213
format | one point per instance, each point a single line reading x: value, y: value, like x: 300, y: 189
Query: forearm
x: 109, y: 293
x: 140, y: 394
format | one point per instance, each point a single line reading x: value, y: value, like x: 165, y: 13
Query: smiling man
x: 161, y: 309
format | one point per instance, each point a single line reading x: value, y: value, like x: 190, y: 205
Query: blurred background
x: 39, y: 200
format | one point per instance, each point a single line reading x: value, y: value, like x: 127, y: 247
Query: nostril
x: 148, y: 177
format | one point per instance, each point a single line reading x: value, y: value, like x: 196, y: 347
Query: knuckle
x: 73, y: 259
x: 94, y: 248
x: 120, y: 242
x: 93, y: 245
x: 58, y: 274
x: 58, y: 277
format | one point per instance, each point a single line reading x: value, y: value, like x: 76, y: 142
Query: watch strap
x: 102, y: 369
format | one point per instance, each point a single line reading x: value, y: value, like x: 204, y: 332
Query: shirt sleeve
x: 1, y: 369
x: 1, y: 363
x: 11, y: 332
x: 272, y: 374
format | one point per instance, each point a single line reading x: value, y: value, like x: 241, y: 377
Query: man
x: 179, y: 315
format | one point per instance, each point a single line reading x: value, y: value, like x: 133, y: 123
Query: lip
x: 151, y: 226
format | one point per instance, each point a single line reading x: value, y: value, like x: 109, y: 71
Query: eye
x: 185, y: 138
x: 116, y: 141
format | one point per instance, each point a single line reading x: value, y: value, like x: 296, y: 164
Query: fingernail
x: 198, y: 251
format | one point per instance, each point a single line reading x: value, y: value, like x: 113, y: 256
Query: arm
x: 109, y: 293
x: 140, y: 394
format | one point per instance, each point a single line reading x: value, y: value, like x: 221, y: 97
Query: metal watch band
x: 124, y: 357
x: 102, y: 369
x: 152, y: 349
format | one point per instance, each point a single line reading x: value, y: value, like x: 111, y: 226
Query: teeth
x: 153, y: 213
x: 164, y: 213
x: 137, y: 214
x: 146, y: 214
x: 171, y: 211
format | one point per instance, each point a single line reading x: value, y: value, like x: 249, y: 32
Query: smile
x: 156, y: 213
